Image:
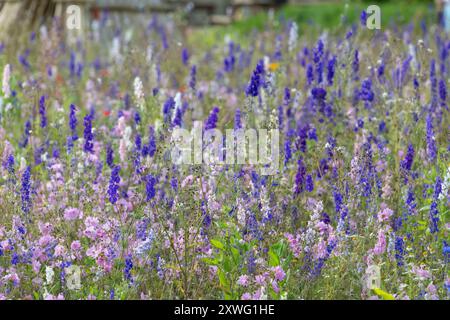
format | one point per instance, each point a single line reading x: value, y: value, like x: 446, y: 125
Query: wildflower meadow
x: 95, y: 204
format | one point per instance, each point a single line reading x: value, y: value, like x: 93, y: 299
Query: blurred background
x: 233, y: 15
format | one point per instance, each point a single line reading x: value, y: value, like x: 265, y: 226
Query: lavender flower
x: 433, y: 85
x: 237, y: 119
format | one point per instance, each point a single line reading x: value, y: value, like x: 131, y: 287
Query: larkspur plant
x: 362, y: 182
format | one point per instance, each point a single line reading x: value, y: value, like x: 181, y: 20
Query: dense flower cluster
x: 88, y: 179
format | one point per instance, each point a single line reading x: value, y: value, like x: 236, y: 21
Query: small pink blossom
x: 246, y: 296
x: 385, y: 213
x: 260, y: 279
x: 243, y: 280
x: 380, y: 247
x: 73, y: 214
x: 279, y: 273
x: 75, y: 246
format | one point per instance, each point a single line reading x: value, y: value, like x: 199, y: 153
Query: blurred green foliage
x: 338, y: 14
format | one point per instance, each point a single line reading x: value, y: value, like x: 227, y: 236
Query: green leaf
x: 235, y: 253
x: 274, y: 260
x: 217, y: 244
x: 223, y: 280
x: 227, y: 264
x: 210, y: 261
x: 226, y: 209
x: 383, y: 294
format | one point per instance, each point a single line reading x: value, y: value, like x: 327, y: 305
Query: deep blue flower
x: 42, y: 112
x: 72, y: 64
x: 331, y: 70
x: 150, y: 148
x: 382, y: 126
x: 88, y: 136
x: 355, y: 65
x: 325, y: 218
x: 406, y: 163
x: 312, y: 134
x: 399, y: 251
x: 211, y: 122
x: 15, y: 258
x: 319, y: 93
x: 338, y: 202
x: 434, y: 217
x: 410, y: 202
x: 256, y: 80
x: 193, y: 75
x: 185, y: 56
x: 73, y: 122
x: 178, y: 118
x: 174, y: 183
x: 309, y: 74
x: 380, y: 70
x: 302, y: 135
x: 300, y: 177
x: 287, y: 96
x: 167, y: 109
x: 363, y: 18
x: 446, y: 251
x: 280, y: 116
x: 10, y: 164
x: 150, y: 187
x: 114, y: 185
x: 287, y: 151
x: 26, y: 190
x: 309, y: 184
x: 137, y: 118
x: 138, y: 142
x: 443, y: 93
x: 127, y: 269
x: 366, y: 93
